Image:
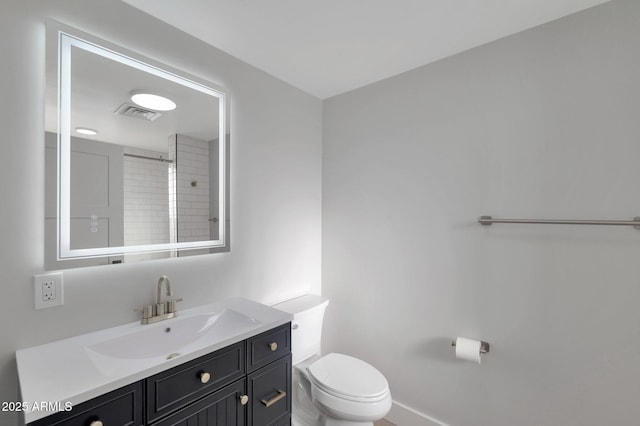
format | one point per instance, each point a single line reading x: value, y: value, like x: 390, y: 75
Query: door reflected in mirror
x: 136, y: 180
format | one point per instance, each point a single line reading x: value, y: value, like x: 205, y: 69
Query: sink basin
x: 171, y: 338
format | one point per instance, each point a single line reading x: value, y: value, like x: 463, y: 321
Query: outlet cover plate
x: 48, y: 290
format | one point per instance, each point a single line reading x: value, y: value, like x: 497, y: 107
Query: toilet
x: 334, y: 389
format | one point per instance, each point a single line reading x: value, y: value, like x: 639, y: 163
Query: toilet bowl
x: 334, y: 389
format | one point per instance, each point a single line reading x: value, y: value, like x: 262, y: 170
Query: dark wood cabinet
x: 244, y: 384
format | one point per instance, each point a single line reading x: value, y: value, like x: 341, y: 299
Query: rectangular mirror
x: 136, y: 156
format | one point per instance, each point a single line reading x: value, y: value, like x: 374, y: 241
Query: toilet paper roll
x: 468, y: 349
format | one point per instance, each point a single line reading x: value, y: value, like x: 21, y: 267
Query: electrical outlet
x: 48, y: 290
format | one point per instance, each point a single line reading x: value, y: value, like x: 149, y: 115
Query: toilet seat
x: 348, y: 378
x: 348, y: 388
x: 344, y: 409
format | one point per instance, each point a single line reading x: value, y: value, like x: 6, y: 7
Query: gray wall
x: 543, y: 124
x: 275, y: 224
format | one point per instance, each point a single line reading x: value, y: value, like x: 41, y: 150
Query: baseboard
x: 402, y: 415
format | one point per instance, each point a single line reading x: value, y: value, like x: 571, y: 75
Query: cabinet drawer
x: 122, y: 407
x: 269, y: 391
x: 268, y: 346
x: 177, y: 387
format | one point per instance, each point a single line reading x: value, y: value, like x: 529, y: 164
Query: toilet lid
x: 347, y: 376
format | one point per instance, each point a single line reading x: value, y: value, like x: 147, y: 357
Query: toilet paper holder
x: 484, y: 346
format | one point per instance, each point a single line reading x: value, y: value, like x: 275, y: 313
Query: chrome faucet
x: 160, y: 311
x: 163, y: 279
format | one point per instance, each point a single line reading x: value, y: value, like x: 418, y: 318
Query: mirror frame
x: 66, y: 38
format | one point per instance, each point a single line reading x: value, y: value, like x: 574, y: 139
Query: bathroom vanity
x: 236, y: 370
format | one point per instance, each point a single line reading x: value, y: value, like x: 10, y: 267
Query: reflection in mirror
x: 135, y: 181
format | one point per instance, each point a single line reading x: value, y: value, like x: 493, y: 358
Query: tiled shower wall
x: 148, y: 194
x: 146, y: 198
x: 192, y: 174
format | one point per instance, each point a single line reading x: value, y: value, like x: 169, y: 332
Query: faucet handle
x: 147, y: 311
x: 160, y: 309
x: 171, y: 305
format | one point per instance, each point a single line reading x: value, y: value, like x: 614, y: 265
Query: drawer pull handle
x: 96, y: 423
x: 204, y: 377
x: 281, y: 394
x: 273, y: 346
x: 244, y: 399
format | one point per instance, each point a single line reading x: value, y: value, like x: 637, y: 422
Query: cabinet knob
x: 273, y: 346
x: 244, y: 399
x: 204, y: 377
x: 96, y: 423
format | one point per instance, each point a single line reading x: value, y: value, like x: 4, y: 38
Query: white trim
x: 402, y: 415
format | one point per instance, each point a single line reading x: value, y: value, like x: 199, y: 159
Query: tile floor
x: 383, y: 422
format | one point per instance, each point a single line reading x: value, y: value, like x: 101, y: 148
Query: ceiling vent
x: 137, y: 112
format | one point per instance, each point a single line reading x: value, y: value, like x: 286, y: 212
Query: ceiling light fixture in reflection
x: 152, y: 101
x: 86, y: 131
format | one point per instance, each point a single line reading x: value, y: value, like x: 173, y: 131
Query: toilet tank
x: 306, y: 327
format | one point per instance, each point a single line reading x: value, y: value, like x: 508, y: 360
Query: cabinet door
x: 269, y: 391
x: 221, y: 408
x: 122, y: 407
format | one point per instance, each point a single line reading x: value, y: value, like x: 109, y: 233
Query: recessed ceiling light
x: 151, y: 101
x: 86, y: 131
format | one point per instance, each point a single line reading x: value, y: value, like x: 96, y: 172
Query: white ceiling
x: 328, y: 47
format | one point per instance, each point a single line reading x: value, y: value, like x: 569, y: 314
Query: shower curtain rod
x: 163, y: 160
x: 488, y: 220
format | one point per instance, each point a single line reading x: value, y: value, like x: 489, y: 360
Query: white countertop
x: 80, y: 374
